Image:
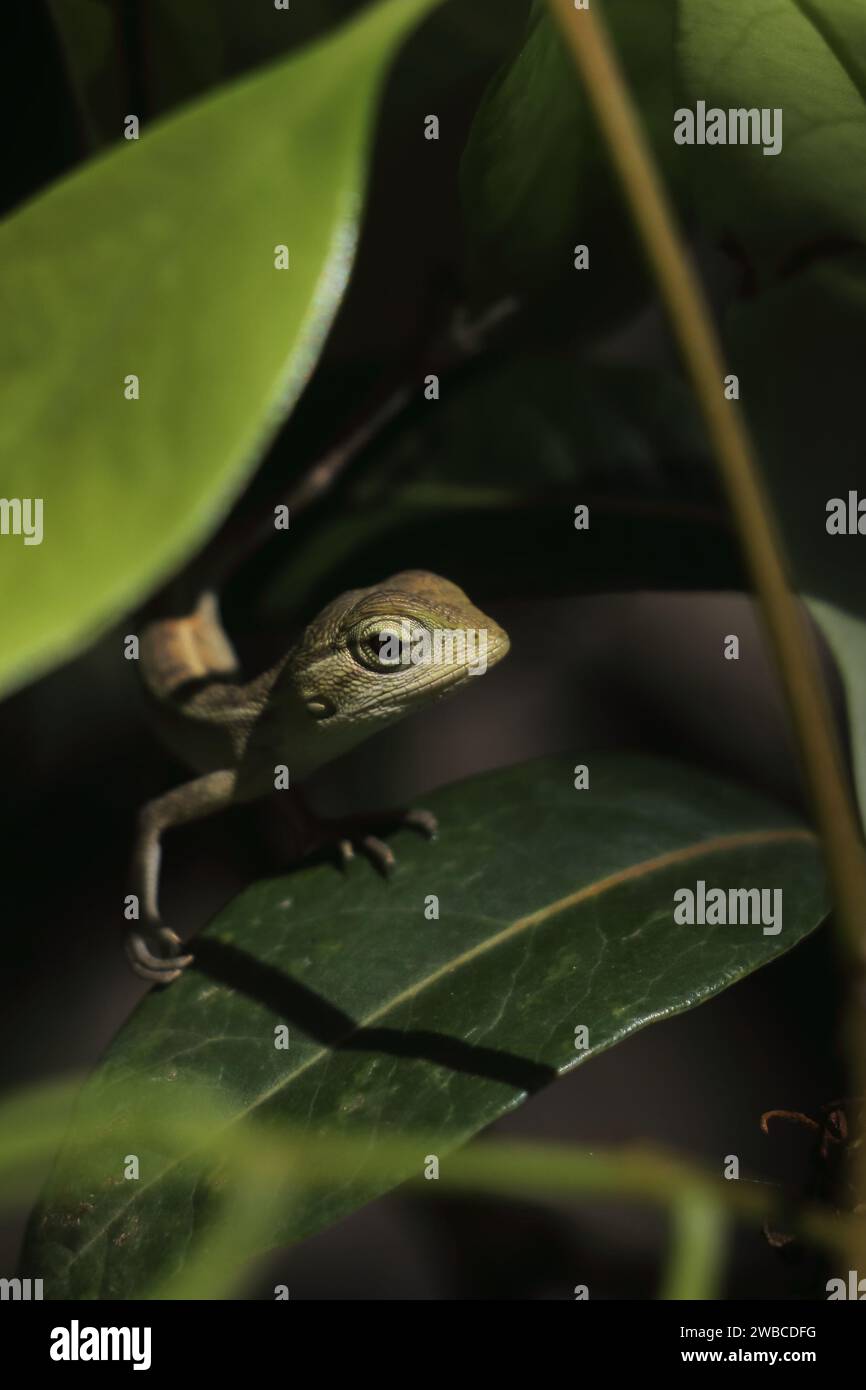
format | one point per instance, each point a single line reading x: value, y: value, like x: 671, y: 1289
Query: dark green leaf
x: 536, y: 177
x: 152, y: 55
x: 148, y: 56
x: 555, y: 912
x: 804, y: 57
x: 91, y: 41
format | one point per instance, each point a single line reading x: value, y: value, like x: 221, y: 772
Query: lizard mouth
x: 439, y: 686
x: 498, y: 646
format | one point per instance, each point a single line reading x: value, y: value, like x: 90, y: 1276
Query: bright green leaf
x: 158, y: 260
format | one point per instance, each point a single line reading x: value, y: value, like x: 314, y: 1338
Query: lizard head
x: 375, y: 655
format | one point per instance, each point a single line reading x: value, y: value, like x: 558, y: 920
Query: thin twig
x: 238, y: 541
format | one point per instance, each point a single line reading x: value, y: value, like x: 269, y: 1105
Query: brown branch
x: 237, y: 541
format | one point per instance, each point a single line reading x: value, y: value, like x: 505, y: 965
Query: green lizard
x: 337, y: 685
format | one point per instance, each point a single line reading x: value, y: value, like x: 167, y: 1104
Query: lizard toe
x: 381, y: 854
x: 420, y: 819
x: 345, y: 852
x: 161, y: 969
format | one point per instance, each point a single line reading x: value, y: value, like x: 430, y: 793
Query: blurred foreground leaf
x: 158, y: 260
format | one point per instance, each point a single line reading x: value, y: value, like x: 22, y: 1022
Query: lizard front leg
x: 153, y: 948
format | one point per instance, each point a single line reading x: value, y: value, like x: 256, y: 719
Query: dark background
x: 587, y: 673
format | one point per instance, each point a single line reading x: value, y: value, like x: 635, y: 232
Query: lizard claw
x: 159, y: 968
x: 376, y: 849
x: 381, y: 854
x: 422, y: 820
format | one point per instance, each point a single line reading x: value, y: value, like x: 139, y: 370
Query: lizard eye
x: 380, y: 646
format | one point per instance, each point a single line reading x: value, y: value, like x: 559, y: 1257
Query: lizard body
x: 337, y: 685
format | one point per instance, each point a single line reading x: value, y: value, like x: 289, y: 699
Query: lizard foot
x: 161, y: 965
x: 380, y: 853
x: 303, y: 831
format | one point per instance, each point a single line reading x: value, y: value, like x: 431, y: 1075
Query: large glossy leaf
x: 158, y: 260
x: 555, y: 912
x: 482, y: 486
x: 804, y: 57
x: 536, y: 178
